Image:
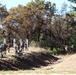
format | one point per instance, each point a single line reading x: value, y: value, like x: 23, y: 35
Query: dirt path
x: 66, y: 63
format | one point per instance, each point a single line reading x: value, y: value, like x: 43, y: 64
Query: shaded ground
x: 29, y: 60
x: 39, y: 61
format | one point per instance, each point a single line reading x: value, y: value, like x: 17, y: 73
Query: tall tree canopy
x: 74, y: 1
x: 29, y: 19
x: 3, y: 12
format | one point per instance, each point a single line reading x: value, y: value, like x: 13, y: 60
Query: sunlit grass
x: 38, y: 72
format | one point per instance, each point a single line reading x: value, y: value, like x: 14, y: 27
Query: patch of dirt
x: 68, y: 63
x: 30, y: 60
x: 65, y: 63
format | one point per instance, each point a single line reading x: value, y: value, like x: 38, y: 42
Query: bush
x: 34, y: 43
x: 57, y: 51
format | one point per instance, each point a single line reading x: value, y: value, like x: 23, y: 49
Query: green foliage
x: 73, y: 7
x: 57, y: 51
x: 72, y: 41
x: 73, y: 13
x: 34, y: 43
x: 3, y: 12
x: 74, y: 1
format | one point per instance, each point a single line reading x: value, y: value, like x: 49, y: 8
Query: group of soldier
x: 18, y: 47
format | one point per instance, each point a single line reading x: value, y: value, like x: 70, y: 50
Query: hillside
x: 38, y: 59
x: 30, y: 60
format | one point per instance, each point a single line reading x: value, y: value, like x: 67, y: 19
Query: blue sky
x: 14, y: 3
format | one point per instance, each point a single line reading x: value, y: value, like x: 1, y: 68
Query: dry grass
x: 37, y: 72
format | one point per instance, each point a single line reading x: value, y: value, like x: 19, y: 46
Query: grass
x: 38, y: 72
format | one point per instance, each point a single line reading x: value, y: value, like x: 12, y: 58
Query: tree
x: 29, y: 19
x: 73, y: 7
x: 74, y: 1
x: 18, y: 21
x: 3, y: 12
x: 40, y: 10
x: 38, y: 22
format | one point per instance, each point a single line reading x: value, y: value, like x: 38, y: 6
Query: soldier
x: 16, y: 48
x: 26, y: 44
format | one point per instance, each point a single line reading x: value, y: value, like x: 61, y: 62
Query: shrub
x: 57, y: 51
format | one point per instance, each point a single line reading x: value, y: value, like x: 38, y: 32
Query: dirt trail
x: 65, y: 63
x: 68, y: 63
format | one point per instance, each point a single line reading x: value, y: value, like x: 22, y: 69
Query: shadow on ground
x: 28, y: 61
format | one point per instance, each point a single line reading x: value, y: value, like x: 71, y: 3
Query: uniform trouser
x: 2, y: 54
